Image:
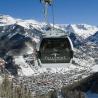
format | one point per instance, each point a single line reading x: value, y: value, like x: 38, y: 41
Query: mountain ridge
x: 83, y: 30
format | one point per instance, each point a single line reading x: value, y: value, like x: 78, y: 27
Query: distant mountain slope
x: 93, y: 38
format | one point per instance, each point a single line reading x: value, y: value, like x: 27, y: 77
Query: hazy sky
x: 65, y: 11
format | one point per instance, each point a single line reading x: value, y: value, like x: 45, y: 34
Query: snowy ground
x: 27, y: 70
x: 95, y: 68
x: 41, y: 79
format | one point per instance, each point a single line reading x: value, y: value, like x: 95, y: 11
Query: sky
x: 65, y: 11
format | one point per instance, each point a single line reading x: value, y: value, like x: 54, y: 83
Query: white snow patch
x: 37, y: 40
x: 29, y: 49
x: 85, y: 30
x: 95, y: 68
x: 6, y: 20
x: 25, y: 68
x: 54, y: 68
x: 27, y: 71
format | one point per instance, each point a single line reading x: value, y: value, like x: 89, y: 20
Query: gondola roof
x: 54, y: 33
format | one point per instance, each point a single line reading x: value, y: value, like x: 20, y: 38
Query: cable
x: 46, y: 13
x: 53, y: 14
x: 46, y: 4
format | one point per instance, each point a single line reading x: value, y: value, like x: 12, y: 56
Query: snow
x: 83, y: 30
x: 37, y: 40
x: 56, y: 68
x: 29, y: 70
x: 83, y: 62
x: 86, y: 32
x: 95, y: 68
x: 54, y: 33
x: 29, y: 49
x: 6, y: 20
x: 26, y: 70
x: 23, y: 23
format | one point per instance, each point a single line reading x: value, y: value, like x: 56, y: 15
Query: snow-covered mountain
x: 93, y: 38
x: 17, y: 42
x: 82, y: 30
x: 17, y: 35
x: 18, y: 38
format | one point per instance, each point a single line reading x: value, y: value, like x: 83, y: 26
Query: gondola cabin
x: 55, y: 47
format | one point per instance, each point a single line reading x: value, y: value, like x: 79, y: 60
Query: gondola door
x: 55, y: 50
